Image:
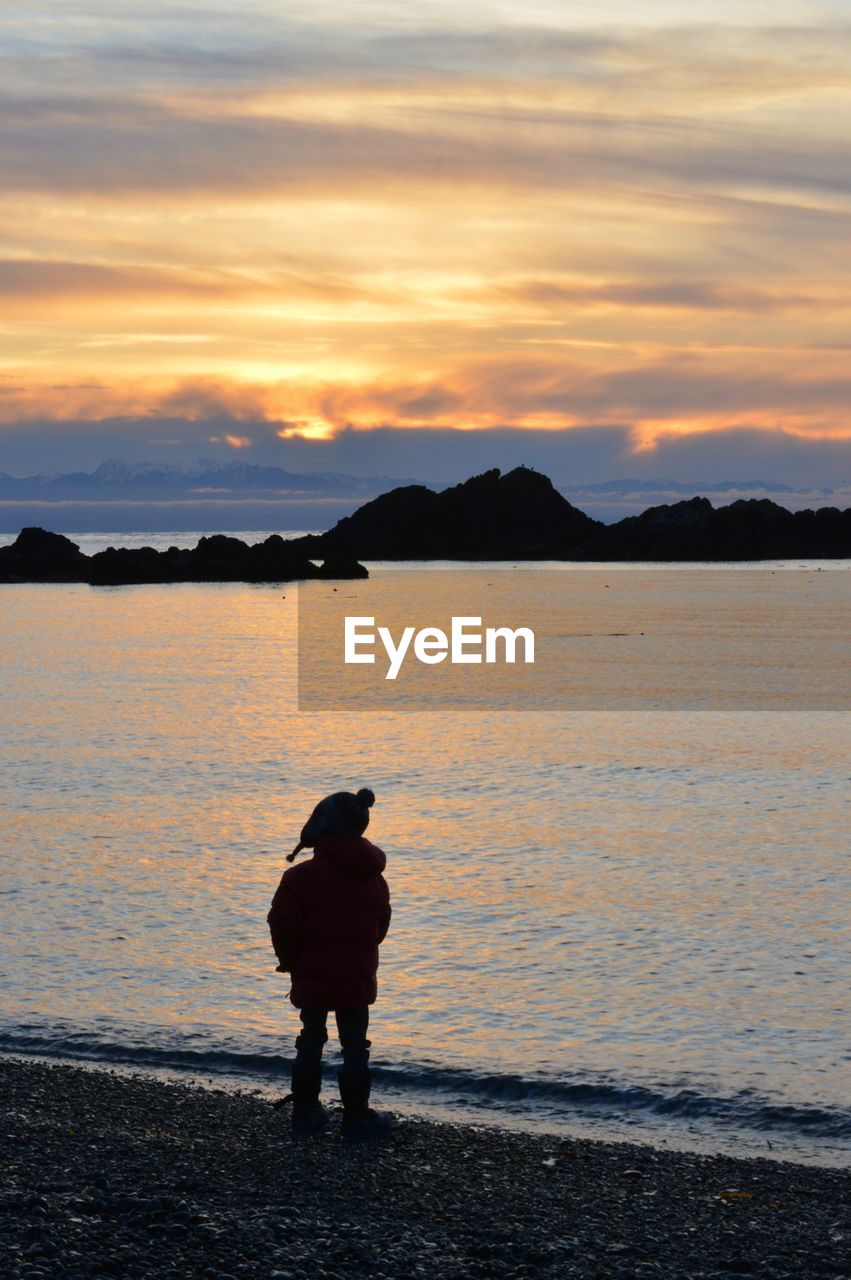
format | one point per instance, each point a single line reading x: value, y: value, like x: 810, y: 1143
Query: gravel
x: 104, y: 1175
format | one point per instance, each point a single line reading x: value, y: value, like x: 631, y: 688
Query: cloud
x: 125, y: 147
x: 581, y: 455
x: 299, y: 107
x: 673, y: 392
x: 685, y: 391
x: 36, y: 279
x: 234, y: 442
x: 246, y: 225
x: 675, y: 295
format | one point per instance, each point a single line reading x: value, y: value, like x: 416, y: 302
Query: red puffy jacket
x: 327, y: 919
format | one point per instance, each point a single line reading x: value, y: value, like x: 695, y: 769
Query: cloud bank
x: 341, y: 227
x: 574, y: 457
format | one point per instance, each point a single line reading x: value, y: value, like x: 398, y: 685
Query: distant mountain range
x: 117, y: 479
x: 660, y: 484
x: 211, y: 496
x: 231, y: 496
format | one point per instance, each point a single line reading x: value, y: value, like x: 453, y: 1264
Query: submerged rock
x: 342, y: 567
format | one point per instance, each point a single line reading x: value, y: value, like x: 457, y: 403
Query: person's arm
x: 385, y: 912
x: 286, y: 925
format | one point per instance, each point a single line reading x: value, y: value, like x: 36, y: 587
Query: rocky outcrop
x: 517, y: 516
x: 39, y: 556
x: 754, y: 529
x: 521, y: 516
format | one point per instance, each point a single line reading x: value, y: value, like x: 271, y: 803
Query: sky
x: 424, y: 239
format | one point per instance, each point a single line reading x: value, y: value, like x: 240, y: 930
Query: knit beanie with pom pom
x: 340, y: 814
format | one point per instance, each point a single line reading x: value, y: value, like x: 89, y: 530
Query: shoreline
x: 694, y: 1136
x: 108, y: 1174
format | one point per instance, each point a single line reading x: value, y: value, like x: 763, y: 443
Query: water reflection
x: 652, y: 895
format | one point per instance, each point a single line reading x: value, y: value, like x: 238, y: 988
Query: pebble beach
x: 109, y: 1175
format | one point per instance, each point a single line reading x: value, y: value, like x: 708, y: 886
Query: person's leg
x: 359, y: 1120
x: 309, y: 1044
x: 352, y: 1026
x: 308, y: 1115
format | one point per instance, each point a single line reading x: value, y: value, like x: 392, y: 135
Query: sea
x: 627, y: 924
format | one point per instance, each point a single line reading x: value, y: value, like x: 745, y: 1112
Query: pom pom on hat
x: 366, y: 797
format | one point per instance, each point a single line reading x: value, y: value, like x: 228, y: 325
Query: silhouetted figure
x: 327, y: 920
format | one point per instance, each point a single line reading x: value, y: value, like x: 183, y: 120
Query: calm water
x: 628, y: 922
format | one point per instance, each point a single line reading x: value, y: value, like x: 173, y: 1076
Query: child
x: 327, y: 920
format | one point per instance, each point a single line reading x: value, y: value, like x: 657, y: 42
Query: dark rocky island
x: 750, y: 529
x: 516, y: 516
x: 521, y: 516
x: 38, y: 556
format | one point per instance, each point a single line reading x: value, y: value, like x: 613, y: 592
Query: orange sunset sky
x: 258, y: 229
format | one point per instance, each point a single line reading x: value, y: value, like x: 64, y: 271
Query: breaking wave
x: 493, y: 1092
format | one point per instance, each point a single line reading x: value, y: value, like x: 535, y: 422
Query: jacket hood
x: 352, y: 856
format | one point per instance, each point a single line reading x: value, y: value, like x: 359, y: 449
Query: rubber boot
x: 309, y: 1116
x: 360, y: 1122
